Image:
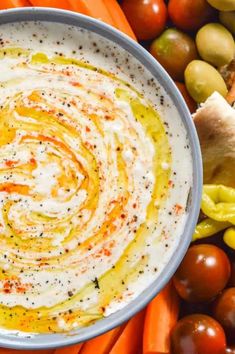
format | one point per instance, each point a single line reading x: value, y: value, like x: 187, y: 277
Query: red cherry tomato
x: 174, y: 50
x: 198, y: 334
x: 203, y: 273
x: 146, y: 17
x: 224, y: 311
x: 230, y: 350
x: 190, y: 14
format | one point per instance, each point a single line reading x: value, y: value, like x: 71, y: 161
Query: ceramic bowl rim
x: 44, y: 341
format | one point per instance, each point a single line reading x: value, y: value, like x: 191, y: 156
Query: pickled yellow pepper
x: 218, y: 204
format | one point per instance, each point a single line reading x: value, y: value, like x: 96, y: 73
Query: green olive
x: 228, y: 20
x: 215, y: 44
x: 223, y: 5
x: 202, y: 79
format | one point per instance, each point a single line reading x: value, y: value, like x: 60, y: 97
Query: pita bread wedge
x: 215, y: 123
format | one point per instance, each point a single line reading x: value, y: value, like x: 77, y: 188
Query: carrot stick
x: 61, y: 4
x: 7, y: 4
x: 103, y: 343
x: 96, y: 9
x: 161, y: 317
x: 130, y: 340
x: 74, y: 349
x: 79, y: 6
x: 119, y: 18
x: 13, y: 351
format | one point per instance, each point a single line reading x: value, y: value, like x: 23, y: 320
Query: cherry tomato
x: 190, y: 14
x: 230, y: 350
x: 174, y: 50
x: 198, y: 334
x: 224, y: 311
x: 146, y: 17
x: 203, y: 273
x: 192, y: 106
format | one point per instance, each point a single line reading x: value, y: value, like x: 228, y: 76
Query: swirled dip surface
x: 95, y: 171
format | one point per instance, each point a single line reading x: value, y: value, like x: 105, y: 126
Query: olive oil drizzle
x: 134, y: 261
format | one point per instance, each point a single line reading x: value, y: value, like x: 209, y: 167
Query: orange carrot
x: 74, y: 349
x: 61, y: 4
x: 119, y: 18
x: 130, y: 340
x: 103, y: 343
x: 161, y: 317
x: 92, y: 8
x: 13, y: 351
x: 79, y: 6
x: 7, y: 4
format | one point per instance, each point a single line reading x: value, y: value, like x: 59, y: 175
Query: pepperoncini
x: 229, y: 237
x: 218, y: 204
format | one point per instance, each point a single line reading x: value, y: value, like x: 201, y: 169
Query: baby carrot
x: 61, y: 4
x: 7, y: 4
x: 161, y: 317
x: 14, y: 351
x: 95, y: 9
x: 119, y: 18
x: 74, y: 349
x: 130, y: 339
x: 103, y: 343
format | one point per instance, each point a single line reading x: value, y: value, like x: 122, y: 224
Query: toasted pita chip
x: 215, y: 123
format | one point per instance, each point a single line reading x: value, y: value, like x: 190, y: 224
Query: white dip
x: 95, y: 172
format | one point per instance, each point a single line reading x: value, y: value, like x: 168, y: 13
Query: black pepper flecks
x: 96, y: 282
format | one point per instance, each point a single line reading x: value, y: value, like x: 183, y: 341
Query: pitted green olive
x: 215, y: 44
x: 202, y: 79
x: 227, y: 18
x: 223, y: 5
